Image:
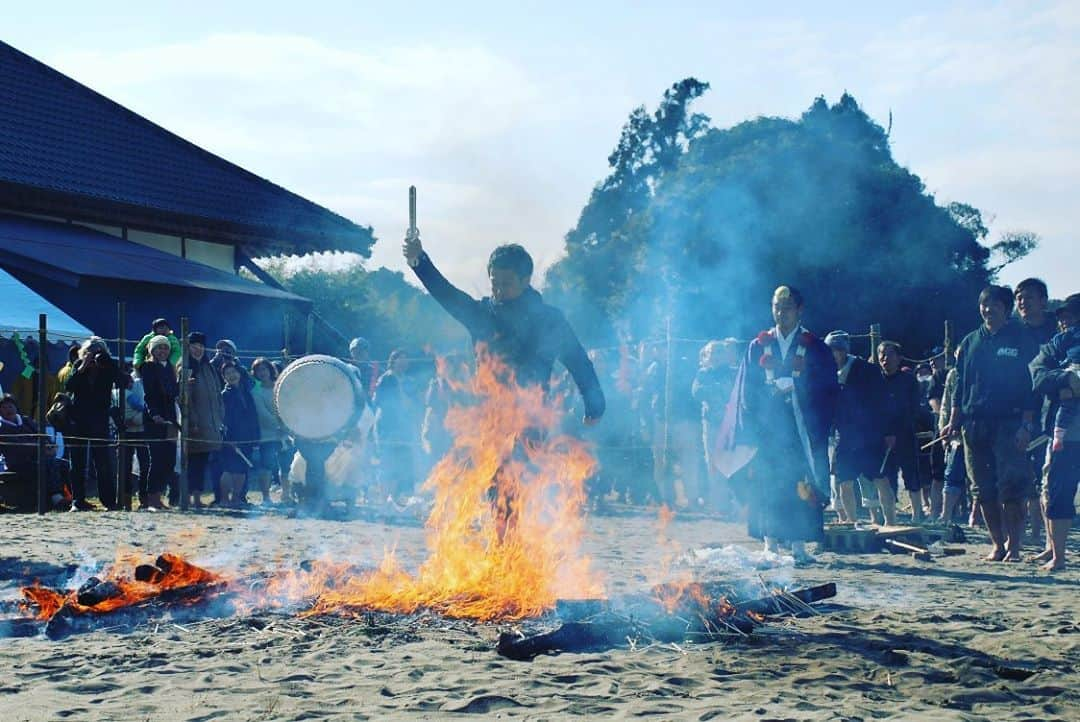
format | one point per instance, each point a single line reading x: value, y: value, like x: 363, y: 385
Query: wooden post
x: 185, y: 403
x: 667, y: 404
x: 309, y: 337
x: 123, y: 473
x: 42, y: 369
x: 875, y: 339
x: 285, y: 337
x: 948, y: 345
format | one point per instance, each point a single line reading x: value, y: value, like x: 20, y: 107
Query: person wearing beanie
x: 855, y: 426
x: 206, y: 415
x: 90, y: 385
x: 160, y: 327
x: 160, y: 392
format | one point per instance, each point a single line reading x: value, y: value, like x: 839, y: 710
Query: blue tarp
x: 19, y: 309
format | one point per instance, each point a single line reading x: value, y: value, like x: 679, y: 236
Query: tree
x: 1012, y: 246
x: 379, y: 305
x: 818, y: 203
x: 601, y: 256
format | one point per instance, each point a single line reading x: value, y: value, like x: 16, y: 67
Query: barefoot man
x: 994, y: 410
x: 513, y: 323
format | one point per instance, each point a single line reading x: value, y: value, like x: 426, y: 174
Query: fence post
x: 285, y: 337
x: 123, y: 473
x: 185, y: 403
x: 664, y: 449
x: 875, y: 339
x: 42, y: 368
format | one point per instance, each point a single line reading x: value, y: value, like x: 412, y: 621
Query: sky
x: 503, y: 114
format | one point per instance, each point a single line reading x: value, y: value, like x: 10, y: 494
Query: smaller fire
x: 116, y: 591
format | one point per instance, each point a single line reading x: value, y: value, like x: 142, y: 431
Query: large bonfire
x: 504, y: 534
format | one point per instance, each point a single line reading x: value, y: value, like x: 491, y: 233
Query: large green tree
x: 817, y: 203
x: 379, y: 305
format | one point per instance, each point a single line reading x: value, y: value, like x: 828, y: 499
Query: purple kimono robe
x: 789, y: 430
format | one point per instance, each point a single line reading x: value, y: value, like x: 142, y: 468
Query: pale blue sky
x: 503, y: 113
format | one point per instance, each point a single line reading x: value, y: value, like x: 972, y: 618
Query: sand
x: 903, y: 639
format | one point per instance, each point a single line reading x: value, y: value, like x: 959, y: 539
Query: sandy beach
x: 955, y: 638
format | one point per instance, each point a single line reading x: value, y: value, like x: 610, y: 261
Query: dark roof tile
x: 59, y: 135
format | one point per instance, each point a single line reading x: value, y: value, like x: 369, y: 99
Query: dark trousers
x: 136, y: 448
x: 100, y: 455
x: 197, y: 464
x: 162, y: 458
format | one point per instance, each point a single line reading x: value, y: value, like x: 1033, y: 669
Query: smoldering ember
x: 774, y: 420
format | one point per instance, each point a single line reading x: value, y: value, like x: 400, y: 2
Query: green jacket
x: 138, y: 358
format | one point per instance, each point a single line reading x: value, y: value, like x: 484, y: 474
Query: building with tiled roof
x: 99, y: 205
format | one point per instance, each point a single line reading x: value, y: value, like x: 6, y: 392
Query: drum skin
x: 318, y: 397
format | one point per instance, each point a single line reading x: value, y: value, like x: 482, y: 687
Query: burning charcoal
x: 90, y: 595
x: 89, y: 584
x: 149, y: 573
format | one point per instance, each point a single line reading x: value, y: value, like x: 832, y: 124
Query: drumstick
x: 242, y: 456
x: 412, y: 210
x: 885, y: 460
x: 928, y: 444
x: 1037, y: 442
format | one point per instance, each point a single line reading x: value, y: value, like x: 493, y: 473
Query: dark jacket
x: 1048, y: 369
x: 992, y: 376
x: 90, y: 386
x: 526, y: 333
x: 160, y: 390
x: 241, y: 418
x: 900, y: 407
x: 18, y: 445
x: 858, y: 420
x: 769, y: 420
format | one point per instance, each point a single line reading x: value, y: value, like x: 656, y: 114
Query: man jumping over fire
x: 513, y: 324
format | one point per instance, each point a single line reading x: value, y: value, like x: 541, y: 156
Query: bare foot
x: 996, y: 555
x: 1044, y: 556
x: 1053, y: 566
x: 1011, y: 557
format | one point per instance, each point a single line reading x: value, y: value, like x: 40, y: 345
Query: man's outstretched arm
x: 576, y: 360
x: 463, y: 307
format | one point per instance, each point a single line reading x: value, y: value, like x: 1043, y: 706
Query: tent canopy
x: 19, y: 311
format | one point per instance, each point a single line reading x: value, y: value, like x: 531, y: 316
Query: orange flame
x: 504, y: 533
x: 175, y: 571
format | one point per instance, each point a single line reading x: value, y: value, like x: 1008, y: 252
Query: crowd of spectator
x: 990, y: 436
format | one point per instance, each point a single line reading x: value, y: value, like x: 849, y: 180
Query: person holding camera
x: 91, y: 384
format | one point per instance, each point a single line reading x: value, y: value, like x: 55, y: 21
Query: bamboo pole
x: 185, y: 403
x: 123, y: 475
x: 664, y: 449
x: 875, y: 339
x: 285, y: 339
x: 42, y: 368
